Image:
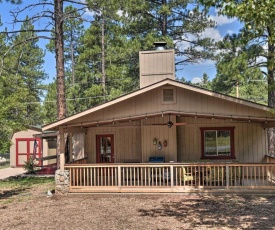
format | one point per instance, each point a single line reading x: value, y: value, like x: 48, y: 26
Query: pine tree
x: 180, y: 23
x: 237, y: 70
x: 49, y: 107
x: 20, y: 83
x: 73, y: 30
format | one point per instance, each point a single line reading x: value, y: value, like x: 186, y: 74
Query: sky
x: 224, y: 26
x: 191, y: 72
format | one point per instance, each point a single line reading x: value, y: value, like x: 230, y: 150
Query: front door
x: 105, y: 148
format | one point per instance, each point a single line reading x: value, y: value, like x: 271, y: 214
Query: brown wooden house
x: 156, y: 136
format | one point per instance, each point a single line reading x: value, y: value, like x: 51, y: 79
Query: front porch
x: 170, y: 177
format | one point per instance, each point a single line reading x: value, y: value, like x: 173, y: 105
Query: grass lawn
x: 18, y: 188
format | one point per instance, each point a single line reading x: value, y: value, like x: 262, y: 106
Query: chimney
x: 160, y: 45
x: 156, y: 65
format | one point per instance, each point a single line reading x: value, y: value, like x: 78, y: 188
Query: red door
x: 25, y: 148
x: 105, y: 148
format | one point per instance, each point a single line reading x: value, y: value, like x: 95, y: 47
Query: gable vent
x: 168, y: 95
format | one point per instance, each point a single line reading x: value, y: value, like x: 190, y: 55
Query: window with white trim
x: 218, y: 143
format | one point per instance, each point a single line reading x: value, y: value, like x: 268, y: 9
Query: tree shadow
x: 12, y: 193
x: 17, y: 186
x: 219, y: 211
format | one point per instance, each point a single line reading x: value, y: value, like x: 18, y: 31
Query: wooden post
x: 227, y: 176
x: 119, y: 177
x: 62, y: 148
x: 172, y: 176
x: 62, y: 161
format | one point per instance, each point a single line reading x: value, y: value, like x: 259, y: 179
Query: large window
x: 218, y: 143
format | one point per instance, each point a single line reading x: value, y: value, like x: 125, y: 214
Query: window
x: 168, y: 95
x: 218, y: 143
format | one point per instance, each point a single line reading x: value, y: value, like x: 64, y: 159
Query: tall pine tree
x: 20, y: 82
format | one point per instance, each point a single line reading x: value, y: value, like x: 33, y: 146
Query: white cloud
x: 211, y: 33
x: 222, y: 20
x: 89, y: 13
x: 182, y: 45
x: 196, y: 80
x: 207, y: 33
x: 230, y: 32
x: 208, y: 63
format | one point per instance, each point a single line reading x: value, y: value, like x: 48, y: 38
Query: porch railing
x: 170, y: 177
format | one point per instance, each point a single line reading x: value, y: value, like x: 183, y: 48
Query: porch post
x: 62, y: 176
x: 62, y: 149
x: 62, y: 161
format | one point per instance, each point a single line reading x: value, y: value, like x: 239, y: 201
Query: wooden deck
x: 173, y: 177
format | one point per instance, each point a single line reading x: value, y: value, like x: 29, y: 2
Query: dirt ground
x: 32, y: 209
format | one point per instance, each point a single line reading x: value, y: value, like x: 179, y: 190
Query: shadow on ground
x: 234, y: 211
x: 11, y: 193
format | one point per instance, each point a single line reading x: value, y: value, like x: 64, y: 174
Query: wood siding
x: 133, y: 139
x: 162, y: 133
x: 250, y: 139
x: 133, y: 142
x: 186, y: 101
x: 127, y: 143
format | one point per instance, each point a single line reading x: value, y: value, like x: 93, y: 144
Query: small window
x: 168, y: 95
x: 218, y: 143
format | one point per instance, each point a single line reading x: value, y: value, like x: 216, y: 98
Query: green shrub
x: 31, y: 165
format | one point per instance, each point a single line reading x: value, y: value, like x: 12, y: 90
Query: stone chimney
x: 156, y: 65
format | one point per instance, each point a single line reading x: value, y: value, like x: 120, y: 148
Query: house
x: 193, y: 130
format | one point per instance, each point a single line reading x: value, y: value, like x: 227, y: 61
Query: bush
x: 30, y: 165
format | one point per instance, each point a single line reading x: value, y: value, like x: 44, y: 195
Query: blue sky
x: 189, y: 72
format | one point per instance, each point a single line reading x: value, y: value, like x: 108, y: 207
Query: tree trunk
x: 59, y: 53
x: 164, y: 21
x: 103, y: 57
x: 72, y: 56
x: 271, y: 94
x: 60, y: 73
